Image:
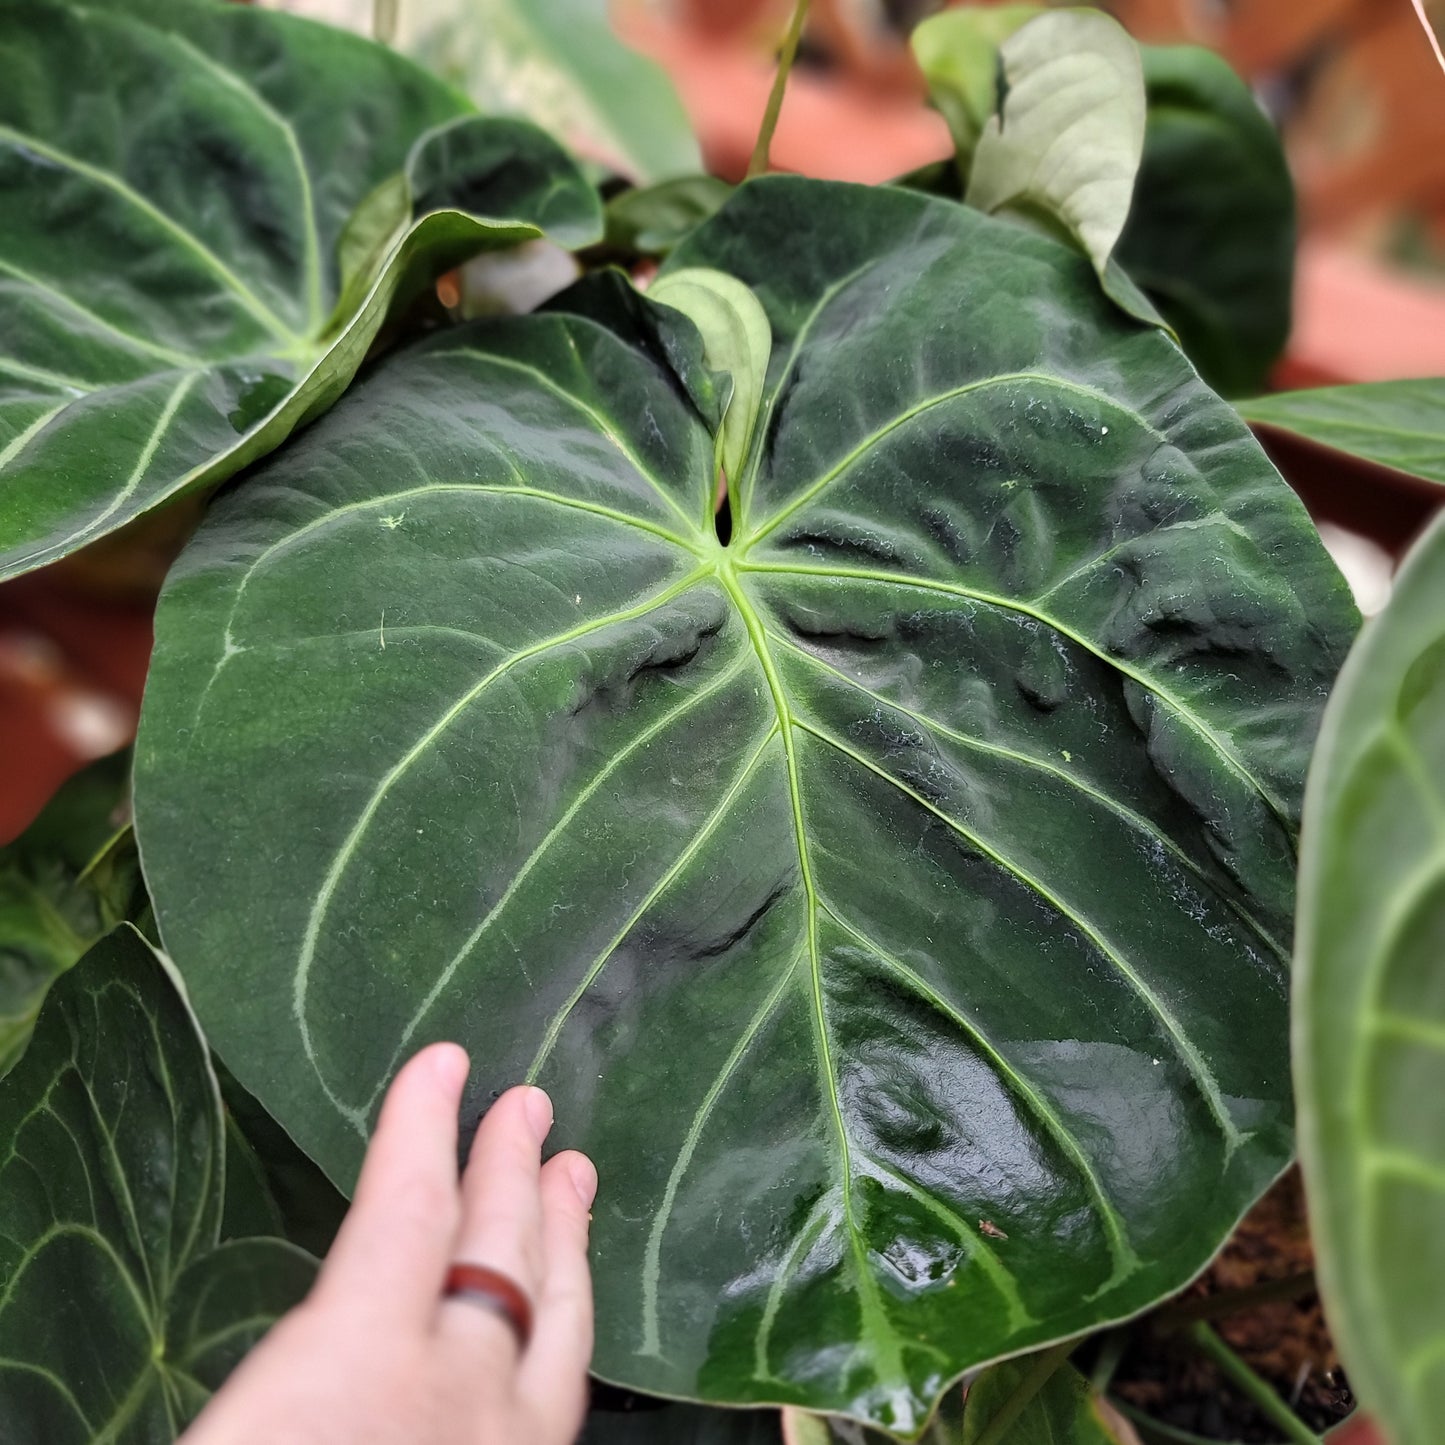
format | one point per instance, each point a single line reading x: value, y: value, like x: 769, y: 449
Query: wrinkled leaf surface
x: 864, y: 890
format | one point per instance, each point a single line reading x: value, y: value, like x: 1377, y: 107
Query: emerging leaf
x: 1369, y: 1021
x: 1068, y: 136
x: 872, y: 878
x: 1010, y: 1405
x: 120, y: 1313
x: 197, y: 260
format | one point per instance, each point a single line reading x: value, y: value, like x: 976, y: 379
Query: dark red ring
x: 492, y: 1290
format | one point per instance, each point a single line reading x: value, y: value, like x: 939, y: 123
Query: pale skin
x: 375, y: 1355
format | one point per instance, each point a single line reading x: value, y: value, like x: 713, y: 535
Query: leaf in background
x: 737, y: 339
x: 652, y: 220
x: 1397, y: 424
x: 958, y: 53
x: 945, y: 1428
x: 68, y: 879
x: 669, y: 1424
x: 878, y: 874
x: 561, y: 65
x: 120, y: 1313
x: 1369, y: 1010
x: 1062, y: 1410
x: 1065, y: 144
x: 1211, y: 236
x: 171, y: 299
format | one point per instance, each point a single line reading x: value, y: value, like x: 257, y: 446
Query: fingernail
x: 584, y: 1179
x: 539, y: 1112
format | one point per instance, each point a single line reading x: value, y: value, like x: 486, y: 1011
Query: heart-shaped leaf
x: 1397, y: 424
x: 120, y: 1313
x: 1370, y: 1005
x: 1211, y: 233
x: 864, y: 889
x: 174, y: 297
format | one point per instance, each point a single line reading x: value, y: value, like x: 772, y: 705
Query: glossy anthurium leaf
x: 561, y: 65
x: 1211, y: 233
x: 120, y: 1313
x: 865, y: 889
x: 1369, y: 1021
x: 1397, y: 424
x: 197, y: 259
x: 66, y: 881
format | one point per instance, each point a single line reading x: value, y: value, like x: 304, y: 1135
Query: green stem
x: 1111, y: 1351
x: 1045, y: 1363
x: 383, y: 20
x: 759, y: 162
x: 1235, y: 1301
x: 1259, y: 1391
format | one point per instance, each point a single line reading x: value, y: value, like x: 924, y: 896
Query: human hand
x: 375, y: 1355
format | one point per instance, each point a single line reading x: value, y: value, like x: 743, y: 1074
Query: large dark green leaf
x: 865, y: 890
x: 1397, y: 424
x: 1211, y: 234
x: 1370, y: 1005
x: 119, y: 1312
x: 68, y: 879
x: 559, y: 64
x: 182, y: 278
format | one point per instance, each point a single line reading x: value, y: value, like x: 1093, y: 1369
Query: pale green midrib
x: 63, y: 1390
x: 128, y: 338
x: 809, y: 1232
x: 1127, y: 814
x: 243, y: 293
x: 239, y: 85
x: 652, y: 1253
x: 873, y: 1316
x: 1010, y: 378
x: 301, y: 982
x: 598, y: 420
x: 1197, y: 724
x: 694, y: 844
x: 1126, y: 1260
x: 761, y: 441
x: 22, y: 439
x: 52, y: 379
x: 553, y: 833
x: 1188, y: 1055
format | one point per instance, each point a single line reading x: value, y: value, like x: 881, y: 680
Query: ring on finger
x: 491, y: 1290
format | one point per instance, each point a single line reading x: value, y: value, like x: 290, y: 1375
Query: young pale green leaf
x: 120, y: 1312
x: 68, y: 879
x: 197, y: 260
x: 737, y: 339
x: 1369, y: 1010
x: 561, y: 65
x: 653, y: 220
x: 877, y: 874
x: 1397, y: 424
x: 1011, y: 1405
x: 1211, y: 235
x: 958, y: 53
x: 1067, y: 138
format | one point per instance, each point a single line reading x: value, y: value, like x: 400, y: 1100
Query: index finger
x: 392, y: 1252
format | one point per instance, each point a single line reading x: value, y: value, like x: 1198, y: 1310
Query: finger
x: 397, y: 1239
x: 501, y: 1209
x: 553, y: 1376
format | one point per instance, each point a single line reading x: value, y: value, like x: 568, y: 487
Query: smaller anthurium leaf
x: 238, y: 299
x: 1369, y: 1004
x: 669, y: 1424
x: 802, y: 1428
x: 562, y: 65
x: 958, y: 53
x: 68, y: 879
x: 651, y: 220
x: 1036, y: 1400
x: 1211, y: 236
x: 1064, y: 146
x: 1396, y: 424
x: 249, y: 1210
x: 737, y: 339
x: 120, y: 1311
